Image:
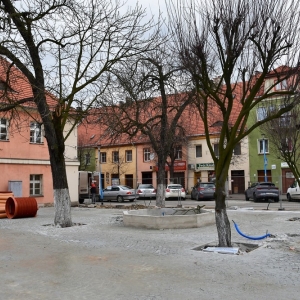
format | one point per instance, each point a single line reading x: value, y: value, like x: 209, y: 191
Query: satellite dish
x: 151, y: 156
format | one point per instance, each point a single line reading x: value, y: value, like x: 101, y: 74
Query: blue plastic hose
x: 250, y: 237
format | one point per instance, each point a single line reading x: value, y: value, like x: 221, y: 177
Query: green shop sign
x: 205, y: 166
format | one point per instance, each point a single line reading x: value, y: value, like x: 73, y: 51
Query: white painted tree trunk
x: 223, y: 228
x: 62, y: 204
x: 160, y: 195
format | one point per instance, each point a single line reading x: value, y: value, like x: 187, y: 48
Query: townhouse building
x: 252, y: 159
x: 264, y: 163
x: 133, y: 161
x: 24, y: 157
x: 201, y: 166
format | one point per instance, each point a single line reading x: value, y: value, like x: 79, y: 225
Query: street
x: 232, y: 202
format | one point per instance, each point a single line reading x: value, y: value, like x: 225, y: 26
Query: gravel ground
x: 101, y: 259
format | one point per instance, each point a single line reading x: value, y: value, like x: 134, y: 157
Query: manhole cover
x: 240, y: 247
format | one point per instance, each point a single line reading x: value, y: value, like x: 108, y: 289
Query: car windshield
x: 175, y: 186
x: 125, y: 187
x: 146, y: 186
x: 207, y: 185
x: 267, y: 184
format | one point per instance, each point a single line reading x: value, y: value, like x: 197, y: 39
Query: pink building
x: 24, y: 158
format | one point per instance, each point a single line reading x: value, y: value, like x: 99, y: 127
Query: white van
x: 293, y: 192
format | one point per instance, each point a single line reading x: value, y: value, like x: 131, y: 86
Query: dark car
x: 262, y: 191
x: 146, y: 190
x: 203, y: 191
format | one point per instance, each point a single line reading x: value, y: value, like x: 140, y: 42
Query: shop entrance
x: 238, y: 182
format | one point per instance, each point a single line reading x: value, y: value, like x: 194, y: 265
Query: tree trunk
x: 223, y: 228
x: 222, y: 222
x: 62, y: 201
x: 160, y: 194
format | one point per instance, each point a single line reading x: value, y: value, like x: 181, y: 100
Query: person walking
x: 93, y: 191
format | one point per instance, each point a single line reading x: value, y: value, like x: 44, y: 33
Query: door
x: 115, y: 191
x: 147, y: 177
x: 287, y: 179
x: 129, y: 180
x: 238, y: 182
x: 261, y: 176
x: 107, y: 193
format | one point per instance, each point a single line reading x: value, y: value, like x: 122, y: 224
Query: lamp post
x: 265, y: 158
x: 100, y: 176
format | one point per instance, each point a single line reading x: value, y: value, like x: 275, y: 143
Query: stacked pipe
x: 4, y: 195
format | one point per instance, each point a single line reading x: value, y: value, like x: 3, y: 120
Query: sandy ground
x: 105, y: 260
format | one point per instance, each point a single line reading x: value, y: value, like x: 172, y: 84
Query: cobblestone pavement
x: 101, y: 259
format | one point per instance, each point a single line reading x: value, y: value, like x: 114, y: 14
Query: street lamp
x: 265, y: 158
x: 100, y: 176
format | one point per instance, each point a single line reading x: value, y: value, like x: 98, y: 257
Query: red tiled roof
x: 19, y: 86
x: 190, y: 119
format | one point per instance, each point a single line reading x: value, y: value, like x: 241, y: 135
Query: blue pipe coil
x: 250, y: 237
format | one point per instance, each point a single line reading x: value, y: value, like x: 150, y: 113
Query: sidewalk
x: 105, y: 260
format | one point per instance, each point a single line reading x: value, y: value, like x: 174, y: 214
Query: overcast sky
x: 152, y: 6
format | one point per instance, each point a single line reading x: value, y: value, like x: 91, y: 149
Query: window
x: 115, y: 156
x: 36, y: 185
x: 199, y: 151
x: 128, y: 155
x: 35, y: 133
x: 3, y: 129
x: 216, y: 149
x: 87, y: 159
x: 286, y: 145
x: 268, y: 84
x: 237, y: 149
x: 146, y: 152
x: 178, y: 153
x: 281, y: 85
x: 103, y: 157
x: 285, y: 119
x: 261, y: 113
x: 263, y: 146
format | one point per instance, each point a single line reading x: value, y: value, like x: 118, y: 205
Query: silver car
x: 146, y: 190
x: 119, y: 193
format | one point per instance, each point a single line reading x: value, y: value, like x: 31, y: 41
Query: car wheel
x: 120, y: 199
x: 183, y: 199
x: 290, y: 199
x: 247, y: 198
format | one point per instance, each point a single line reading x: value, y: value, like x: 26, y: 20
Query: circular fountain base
x: 168, y: 218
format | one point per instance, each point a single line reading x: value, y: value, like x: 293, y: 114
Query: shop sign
x: 205, y: 166
x: 179, y: 165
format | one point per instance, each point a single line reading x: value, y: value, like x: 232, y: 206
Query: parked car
x: 293, y: 192
x: 119, y: 193
x: 262, y: 191
x: 146, y: 190
x: 203, y: 191
x: 175, y: 191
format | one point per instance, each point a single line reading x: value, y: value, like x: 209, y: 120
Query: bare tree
x: 229, y: 47
x: 284, y: 138
x: 68, y: 48
x: 144, y: 106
